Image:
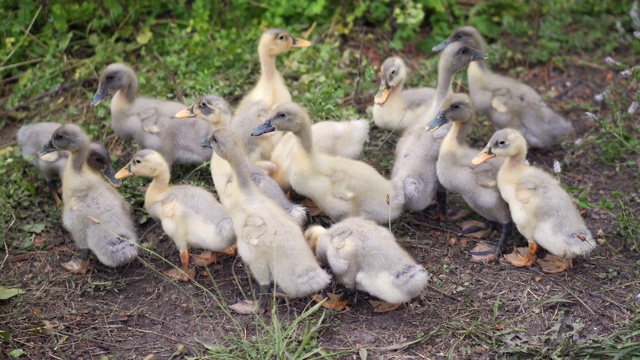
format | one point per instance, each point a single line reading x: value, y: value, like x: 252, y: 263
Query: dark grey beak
x: 263, y: 128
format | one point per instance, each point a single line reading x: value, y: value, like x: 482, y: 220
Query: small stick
x: 355, y: 90
x: 44, y: 94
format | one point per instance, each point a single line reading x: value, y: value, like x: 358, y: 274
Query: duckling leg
x: 516, y: 259
x: 231, y: 251
x: 246, y: 307
x: 205, y: 259
x: 553, y: 264
x: 185, y: 274
x: 53, y: 187
x: 484, y: 252
x: 78, y: 266
x: 335, y: 302
x: 443, y: 215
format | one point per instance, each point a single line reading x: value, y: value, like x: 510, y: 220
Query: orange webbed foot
x: 553, y: 264
x: 77, y: 266
x: 518, y: 260
x: 333, y: 302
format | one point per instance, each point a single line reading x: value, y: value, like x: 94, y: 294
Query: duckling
x: 341, y: 187
x: 541, y: 209
x: 150, y: 122
x: 32, y: 137
x: 270, y: 87
x: 365, y: 256
x: 477, y: 184
x: 507, y: 102
x: 393, y: 108
x: 417, y: 150
x: 215, y: 110
x: 336, y: 138
x: 270, y: 242
x: 94, y: 213
x: 190, y: 215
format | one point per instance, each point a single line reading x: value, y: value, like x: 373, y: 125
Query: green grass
x: 199, y: 44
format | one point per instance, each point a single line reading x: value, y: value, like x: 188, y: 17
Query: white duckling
x: 270, y: 241
x: 32, y: 137
x: 477, y: 184
x: 341, y: 187
x: 190, y: 215
x: 417, y: 151
x: 150, y: 123
x: 393, y: 108
x: 366, y: 256
x: 507, y: 102
x: 94, y: 213
x: 541, y: 209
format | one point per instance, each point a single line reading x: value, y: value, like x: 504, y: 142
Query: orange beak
x: 186, y: 113
x: 483, y: 156
x: 300, y: 43
x: 125, y: 172
x: 383, y: 93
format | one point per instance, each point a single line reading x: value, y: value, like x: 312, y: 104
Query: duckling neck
x: 79, y: 158
x: 516, y: 159
x: 161, y: 180
x: 304, y: 134
x: 443, y: 88
x: 240, y: 166
x: 459, y: 131
x: 127, y: 94
x: 267, y: 66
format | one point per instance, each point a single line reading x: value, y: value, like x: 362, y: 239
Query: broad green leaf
x: 9, y: 293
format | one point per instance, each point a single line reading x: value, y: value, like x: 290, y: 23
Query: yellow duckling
x: 190, y: 215
x: 341, y: 187
x: 541, y: 209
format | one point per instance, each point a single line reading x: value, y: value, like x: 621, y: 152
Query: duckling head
x: 458, y: 55
x: 99, y: 160
x: 276, y: 41
x: 224, y: 143
x: 467, y: 35
x: 457, y: 107
x: 209, y: 107
x: 67, y: 137
x: 506, y: 142
x: 393, y: 74
x: 146, y: 163
x: 115, y: 77
x: 287, y: 116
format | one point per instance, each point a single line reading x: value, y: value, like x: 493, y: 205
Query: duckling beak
x: 110, y: 175
x: 437, y: 122
x: 206, y: 142
x: 186, y: 113
x: 47, y: 148
x: 383, y: 93
x: 483, y: 156
x: 441, y: 46
x: 100, y: 94
x: 263, y: 128
x: 125, y: 172
x: 300, y: 42
x: 478, y: 55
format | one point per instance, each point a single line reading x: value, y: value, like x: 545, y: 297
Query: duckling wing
x: 486, y: 173
x: 197, y: 200
x: 342, y: 253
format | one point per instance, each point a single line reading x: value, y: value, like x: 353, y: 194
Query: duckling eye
x: 463, y: 51
x: 58, y: 137
x: 458, y: 36
x: 456, y: 106
x: 138, y: 161
x: 393, y: 72
x: 110, y: 77
x: 202, y: 105
x: 97, y: 159
x: 281, y: 37
x: 501, y: 142
x: 282, y: 115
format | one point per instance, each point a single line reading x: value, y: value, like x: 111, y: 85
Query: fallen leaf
x: 500, y: 327
x: 9, y: 293
x: 537, y: 278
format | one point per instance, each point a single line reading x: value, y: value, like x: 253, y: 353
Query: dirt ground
x: 469, y: 310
